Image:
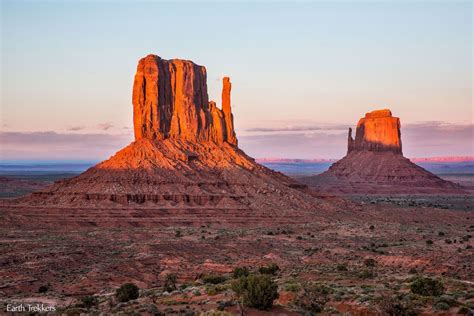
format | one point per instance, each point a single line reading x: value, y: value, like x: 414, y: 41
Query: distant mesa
x: 374, y: 163
x: 184, y: 165
x: 378, y: 131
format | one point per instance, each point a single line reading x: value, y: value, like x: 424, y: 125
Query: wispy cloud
x: 423, y: 139
x: 105, y: 126
x: 302, y: 128
x: 53, y: 145
x: 75, y: 128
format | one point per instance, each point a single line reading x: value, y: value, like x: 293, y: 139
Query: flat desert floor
x: 366, y: 252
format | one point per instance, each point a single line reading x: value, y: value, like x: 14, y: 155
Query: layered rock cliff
x: 170, y: 100
x: 377, y: 131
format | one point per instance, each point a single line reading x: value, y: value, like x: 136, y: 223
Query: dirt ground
x: 405, y: 236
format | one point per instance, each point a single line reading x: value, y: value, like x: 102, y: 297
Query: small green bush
x: 89, y: 301
x: 313, y: 298
x: 170, y: 282
x: 394, y: 306
x: 370, y: 262
x: 465, y: 310
x: 213, y: 279
x: 427, y: 287
x: 366, y: 274
x: 43, y: 289
x: 127, y: 292
x: 256, y: 290
x: 447, y: 299
x: 272, y: 269
x: 442, y: 306
x: 341, y: 267
x: 292, y: 287
x: 215, y: 313
x: 240, y: 272
x: 215, y: 289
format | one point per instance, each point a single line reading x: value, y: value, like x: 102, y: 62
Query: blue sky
x: 67, y: 69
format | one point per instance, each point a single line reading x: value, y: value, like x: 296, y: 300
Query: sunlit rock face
x: 377, y: 131
x: 170, y: 100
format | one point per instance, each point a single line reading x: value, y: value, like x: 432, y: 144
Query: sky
x: 302, y: 72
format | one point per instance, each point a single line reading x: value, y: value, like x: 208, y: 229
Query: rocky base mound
x: 175, y: 172
x: 365, y: 172
x: 171, y: 182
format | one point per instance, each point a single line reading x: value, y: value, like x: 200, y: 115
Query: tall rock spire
x: 170, y: 100
x: 226, y: 109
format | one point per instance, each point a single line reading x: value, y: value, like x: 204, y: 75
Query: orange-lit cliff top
x: 377, y: 131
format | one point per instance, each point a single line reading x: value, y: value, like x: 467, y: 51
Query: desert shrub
x: 89, y: 301
x: 441, y: 234
x: 154, y: 311
x: 127, y: 292
x: 442, y: 306
x: 466, y: 310
x: 429, y: 242
x: 170, y: 282
x: 270, y: 269
x: 427, y: 287
x: 43, y: 289
x: 213, y: 279
x: 313, y: 297
x: 292, y: 287
x: 370, y: 262
x: 223, y: 304
x: 445, y: 299
x: 366, y: 274
x: 341, y: 267
x: 214, y: 313
x: 240, y: 272
x: 215, y: 289
x: 371, y: 227
x: 211, y: 291
x: 256, y: 290
x: 394, y: 306
x: 178, y: 234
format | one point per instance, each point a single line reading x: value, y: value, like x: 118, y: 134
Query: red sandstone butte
x: 184, y: 166
x: 374, y: 163
x: 170, y: 100
x: 377, y: 131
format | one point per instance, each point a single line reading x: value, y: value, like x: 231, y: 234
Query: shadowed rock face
x: 170, y: 100
x: 377, y: 131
